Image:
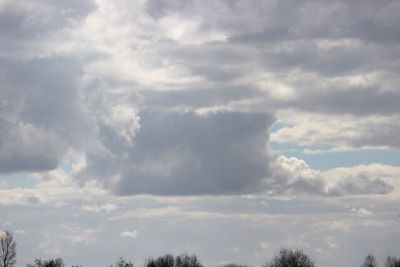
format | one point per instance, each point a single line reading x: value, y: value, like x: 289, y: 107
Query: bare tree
x: 8, y: 252
x: 392, y: 262
x: 290, y: 258
x: 369, y: 261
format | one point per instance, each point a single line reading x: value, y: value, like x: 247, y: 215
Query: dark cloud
x: 358, y: 101
x: 182, y: 153
x: 34, y: 27
x: 271, y: 21
x: 33, y: 19
x: 41, y: 113
x: 24, y: 147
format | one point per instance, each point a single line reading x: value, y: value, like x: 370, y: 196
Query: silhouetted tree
x: 162, y: 261
x: 392, y: 262
x: 235, y: 265
x: 8, y: 251
x: 290, y: 258
x: 123, y: 263
x: 184, y: 260
x: 168, y: 260
x: 369, y: 261
x: 48, y: 263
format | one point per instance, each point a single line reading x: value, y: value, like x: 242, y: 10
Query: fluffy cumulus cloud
x: 295, y: 176
x: 116, y: 115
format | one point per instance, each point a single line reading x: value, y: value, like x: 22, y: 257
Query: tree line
x: 284, y: 258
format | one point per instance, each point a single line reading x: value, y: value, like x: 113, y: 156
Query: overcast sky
x: 227, y: 129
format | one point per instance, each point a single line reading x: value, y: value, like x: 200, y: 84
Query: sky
x: 226, y: 129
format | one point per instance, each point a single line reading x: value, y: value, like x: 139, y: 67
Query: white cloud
x: 129, y: 234
x: 361, y: 212
x: 108, y: 207
x: 188, y: 31
x: 331, y: 241
x: 342, y: 132
x: 293, y: 175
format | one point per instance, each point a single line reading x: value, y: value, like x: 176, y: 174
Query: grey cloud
x: 35, y: 18
x: 269, y: 21
x: 42, y: 113
x: 358, y: 101
x: 322, y: 39
x: 181, y: 153
x: 366, y: 20
x: 361, y: 184
x: 24, y: 147
x: 301, y: 47
x: 308, y: 56
x: 48, y: 94
x: 379, y: 134
x: 198, y: 98
x: 27, y: 26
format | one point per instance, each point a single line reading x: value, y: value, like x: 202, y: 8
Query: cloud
x: 362, y: 212
x: 184, y: 153
x: 22, y: 146
x: 219, y: 153
x: 20, y: 232
x: 197, y: 98
x: 294, y: 176
x: 129, y: 234
x: 345, y: 131
x: 108, y: 207
x: 39, y: 28
x: 158, y: 114
x: 41, y: 113
x: 106, y: 104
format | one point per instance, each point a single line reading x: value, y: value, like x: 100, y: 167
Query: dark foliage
x: 235, y: 265
x: 369, y: 261
x: 47, y: 263
x: 392, y: 262
x: 185, y: 260
x: 169, y: 260
x: 123, y: 263
x: 290, y: 258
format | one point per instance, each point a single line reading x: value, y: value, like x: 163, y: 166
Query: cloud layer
x: 180, y: 99
x: 134, y: 122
